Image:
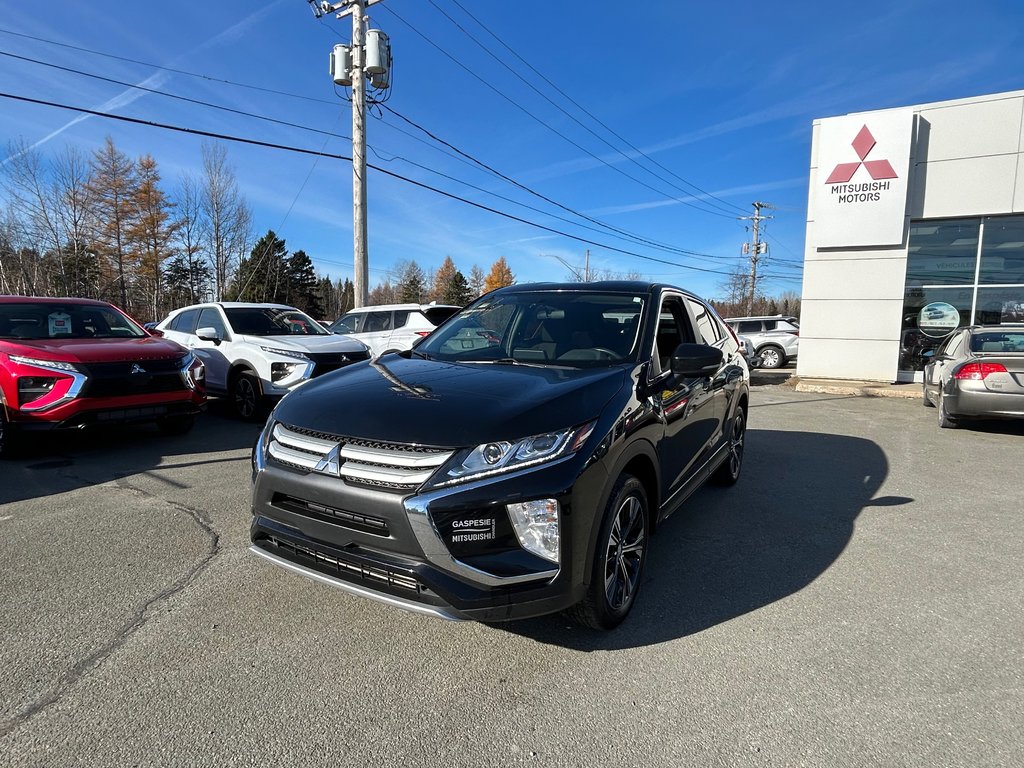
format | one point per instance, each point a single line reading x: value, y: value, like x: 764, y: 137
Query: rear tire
x: 945, y: 420
x: 246, y: 396
x: 772, y: 357
x: 728, y: 471
x: 615, y: 577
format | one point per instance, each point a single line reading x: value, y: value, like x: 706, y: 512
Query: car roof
x: 600, y: 286
x: 237, y: 305
x: 759, y: 317
x: 391, y: 307
x: 8, y: 299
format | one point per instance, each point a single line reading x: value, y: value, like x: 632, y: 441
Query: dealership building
x: 915, y: 226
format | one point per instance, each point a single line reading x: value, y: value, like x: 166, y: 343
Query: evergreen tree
x: 263, y: 275
x: 302, y: 285
x: 458, y: 291
x: 411, y: 283
x: 441, y: 284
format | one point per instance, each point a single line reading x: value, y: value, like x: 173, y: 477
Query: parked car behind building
x: 512, y: 478
x: 74, y: 363
x: 776, y: 339
x: 392, y: 327
x: 256, y: 353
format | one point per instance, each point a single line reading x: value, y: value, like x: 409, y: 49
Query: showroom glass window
x: 959, y: 272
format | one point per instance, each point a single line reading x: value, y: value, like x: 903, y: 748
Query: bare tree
x: 189, y: 236
x: 228, y: 221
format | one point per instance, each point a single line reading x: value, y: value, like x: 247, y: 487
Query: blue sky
x: 719, y: 95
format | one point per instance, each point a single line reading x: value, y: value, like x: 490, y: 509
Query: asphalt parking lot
x: 854, y: 601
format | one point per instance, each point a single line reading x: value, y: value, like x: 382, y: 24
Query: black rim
x: 736, y: 445
x: 245, y: 397
x: 625, y: 553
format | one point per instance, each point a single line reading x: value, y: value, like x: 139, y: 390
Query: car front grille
x: 133, y: 378
x: 352, y: 569
x: 332, y: 361
x: 352, y: 520
x: 390, y: 466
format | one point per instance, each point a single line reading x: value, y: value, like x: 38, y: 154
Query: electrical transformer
x: 341, y: 65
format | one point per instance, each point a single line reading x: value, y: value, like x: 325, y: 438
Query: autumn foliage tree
x: 499, y: 276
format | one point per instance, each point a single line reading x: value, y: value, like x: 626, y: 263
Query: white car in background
x: 392, y: 327
x: 256, y: 353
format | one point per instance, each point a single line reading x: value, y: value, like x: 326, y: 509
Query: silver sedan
x: 978, y: 372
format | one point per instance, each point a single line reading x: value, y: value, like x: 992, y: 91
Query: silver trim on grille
x: 397, y: 467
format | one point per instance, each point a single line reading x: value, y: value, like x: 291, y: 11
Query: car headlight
x: 286, y: 352
x: 51, y: 364
x: 502, y: 456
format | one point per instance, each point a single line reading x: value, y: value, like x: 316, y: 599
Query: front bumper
x: 393, y: 548
x: 90, y: 412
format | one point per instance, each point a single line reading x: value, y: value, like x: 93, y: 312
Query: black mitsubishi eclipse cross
x: 515, y: 462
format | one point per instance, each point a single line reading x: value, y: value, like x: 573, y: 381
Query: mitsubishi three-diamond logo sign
x: 877, y: 169
x: 860, y: 196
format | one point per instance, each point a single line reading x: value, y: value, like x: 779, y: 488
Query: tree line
x: 105, y: 226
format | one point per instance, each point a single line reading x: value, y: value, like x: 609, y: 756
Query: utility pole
x: 755, y: 248
x: 357, y: 75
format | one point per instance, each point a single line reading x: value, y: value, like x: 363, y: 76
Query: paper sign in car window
x: 60, y: 323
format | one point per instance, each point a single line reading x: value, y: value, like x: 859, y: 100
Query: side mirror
x: 208, y: 334
x: 691, y: 361
x: 929, y: 354
x: 156, y: 332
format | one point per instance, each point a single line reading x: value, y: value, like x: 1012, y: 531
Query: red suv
x: 72, y: 363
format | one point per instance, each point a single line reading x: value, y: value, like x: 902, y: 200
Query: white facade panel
x: 853, y: 359
x: 973, y: 130
x: 875, y: 276
x: 973, y: 186
x: 850, y: 319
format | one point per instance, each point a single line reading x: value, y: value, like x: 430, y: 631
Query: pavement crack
x: 141, y: 615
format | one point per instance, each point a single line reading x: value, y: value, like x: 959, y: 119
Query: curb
x: 859, y: 388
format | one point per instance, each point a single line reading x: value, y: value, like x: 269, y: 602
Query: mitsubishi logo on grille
x: 862, y: 145
x: 331, y: 463
x: 136, y: 368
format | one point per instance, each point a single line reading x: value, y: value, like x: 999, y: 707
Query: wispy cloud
x: 745, y: 189
x: 132, y: 94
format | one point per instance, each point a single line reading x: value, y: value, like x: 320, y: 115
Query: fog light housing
x: 31, y: 388
x: 537, y: 526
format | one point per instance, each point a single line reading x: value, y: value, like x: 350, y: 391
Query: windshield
x: 565, y: 328
x: 272, y: 321
x: 37, y: 320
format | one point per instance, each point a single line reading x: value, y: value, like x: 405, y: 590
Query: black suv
x: 513, y: 463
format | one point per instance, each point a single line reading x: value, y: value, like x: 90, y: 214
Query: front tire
x: 728, y: 471
x: 925, y: 400
x: 246, y: 396
x: 8, y: 444
x: 772, y: 357
x: 619, y: 558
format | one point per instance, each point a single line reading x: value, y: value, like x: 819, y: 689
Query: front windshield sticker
x: 60, y: 324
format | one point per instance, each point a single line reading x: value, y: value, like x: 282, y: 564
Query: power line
x: 578, y: 146
x: 627, y: 235
x: 565, y: 112
x: 301, y: 150
x: 169, y: 95
x: 163, y: 68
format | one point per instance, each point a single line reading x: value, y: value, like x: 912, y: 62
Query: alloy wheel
x: 245, y: 397
x: 624, y: 553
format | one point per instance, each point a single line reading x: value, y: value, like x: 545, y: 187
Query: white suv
x: 392, y: 327
x: 255, y: 353
x: 776, y: 339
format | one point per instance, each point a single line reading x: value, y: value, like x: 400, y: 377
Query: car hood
x: 95, y: 350
x: 330, y: 343
x: 410, y: 400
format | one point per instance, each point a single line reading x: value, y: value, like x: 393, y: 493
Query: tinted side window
x: 401, y: 317
x: 771, y: 325
x: 749, y: 326
x: 209, y: 317
x: 673, y: 330
x: 707, y: 329
x: 185, y: 322
x: 349, y: 323
x: 437, y: 315
x: 377, y: 321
